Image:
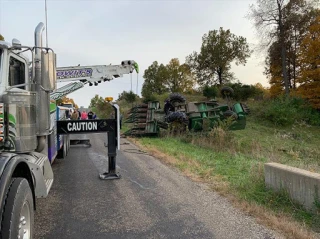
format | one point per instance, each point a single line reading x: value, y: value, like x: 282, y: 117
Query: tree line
x: 290, y: 34
x: 209, y: 67
x: 290, y: 31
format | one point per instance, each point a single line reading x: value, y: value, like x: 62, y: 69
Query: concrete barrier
x: 302, y: 186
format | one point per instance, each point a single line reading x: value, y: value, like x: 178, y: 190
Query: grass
x: 296, y: 146
x: 233, y: 162
x: 124, y: 128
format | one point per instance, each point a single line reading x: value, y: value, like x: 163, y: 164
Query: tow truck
x: 30, y: 137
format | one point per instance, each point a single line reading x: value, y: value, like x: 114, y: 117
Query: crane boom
x: 65, y: 90
x: 97, y: 73
x: 90, y: 74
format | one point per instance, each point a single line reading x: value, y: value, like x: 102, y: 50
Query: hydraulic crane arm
x: 65, y: 90
x: 95, y: 74
x: 89, y: 74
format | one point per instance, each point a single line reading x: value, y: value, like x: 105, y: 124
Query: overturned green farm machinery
x: 148, y: 119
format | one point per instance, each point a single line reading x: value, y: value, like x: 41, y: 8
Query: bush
x: 210, y: 91
x: 244, y: 92
x: 148, y: 98
x: 285, y: 111
x: 129, y: 97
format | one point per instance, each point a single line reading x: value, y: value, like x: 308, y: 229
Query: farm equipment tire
x: 18, y: 211
x: 226, y: 91
x: 178, y: 122
x: 177, y: 117
x: 230, y: 113
x: 176, y: 97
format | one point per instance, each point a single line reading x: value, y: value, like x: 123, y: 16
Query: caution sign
x: 85, y: 126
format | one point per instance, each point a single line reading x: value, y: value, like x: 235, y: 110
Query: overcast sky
x: 109, y: 31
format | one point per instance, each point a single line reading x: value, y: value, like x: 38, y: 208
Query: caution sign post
x: 85, y: 126
x: 110, y: 126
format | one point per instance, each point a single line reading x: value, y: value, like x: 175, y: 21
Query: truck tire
x: 18, y: 213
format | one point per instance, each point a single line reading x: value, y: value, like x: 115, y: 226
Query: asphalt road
x: 151, y: 200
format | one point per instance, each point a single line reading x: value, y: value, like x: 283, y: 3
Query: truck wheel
x: 18, y: 213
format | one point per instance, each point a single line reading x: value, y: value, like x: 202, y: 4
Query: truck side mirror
x: 48, y: 70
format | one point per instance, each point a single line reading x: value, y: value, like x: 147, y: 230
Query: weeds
x: 285, y: 111
x: 233, y: 161
x: 232, y: 174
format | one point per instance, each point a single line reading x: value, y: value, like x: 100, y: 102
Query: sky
x: 103, y: 32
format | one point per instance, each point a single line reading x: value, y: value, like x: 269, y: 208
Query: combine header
x: 143, y: 118
x: 148, y: 118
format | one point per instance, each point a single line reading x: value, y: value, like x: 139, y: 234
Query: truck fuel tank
x: 20, y: 120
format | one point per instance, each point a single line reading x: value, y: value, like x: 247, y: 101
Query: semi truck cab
x: 29, y: 141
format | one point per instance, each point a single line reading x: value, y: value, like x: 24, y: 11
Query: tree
x: 154, y: 80
x: 273, y: 69
x: 129, y: 97
x: 262, y: 91
x: 172, y: 77
x: 298, y: 17
x: 268, y: 18
x: 102, y: 108
x: 95, y: 100
x: 178, y: 77
x: 310, y: 65
x: 244, y: 92
x: 219, y: 49
x: 65, y: 99
x: 280, y: 21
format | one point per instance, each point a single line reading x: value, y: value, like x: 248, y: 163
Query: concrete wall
x: 303, y: 186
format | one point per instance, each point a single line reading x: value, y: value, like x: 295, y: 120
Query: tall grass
x: 285, y: 111
x: 216, y: 157
x: 283, y: 130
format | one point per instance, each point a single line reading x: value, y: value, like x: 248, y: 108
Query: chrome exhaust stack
x: 42, y: 96
x: 38, y: 40
x: 45, y: 81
